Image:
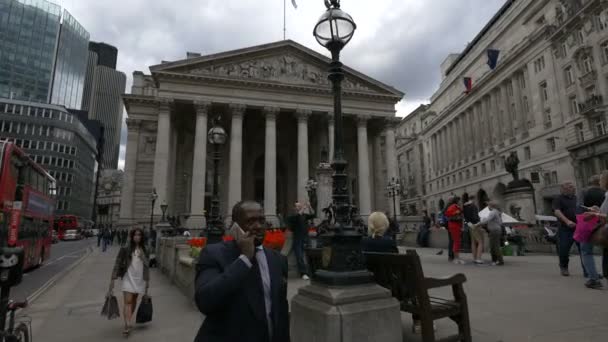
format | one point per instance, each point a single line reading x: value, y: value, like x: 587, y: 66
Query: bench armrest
x: 431, y: 283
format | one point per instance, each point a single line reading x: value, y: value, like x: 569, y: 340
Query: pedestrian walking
x: 298, y: 224
x: 565, y: 208
x: 241, y: 287
x: 595, y: 196
x: 600, y: 213
x: 99, y: 237
x: 493, y: 223
x: 471, y: 219
x: 454, y: 217
x: 105, y: 239
x: 132, y: 267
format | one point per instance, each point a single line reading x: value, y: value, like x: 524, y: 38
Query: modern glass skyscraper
x: 43, y: 54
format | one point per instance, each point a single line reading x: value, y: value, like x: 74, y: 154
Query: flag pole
x: 284, y: 20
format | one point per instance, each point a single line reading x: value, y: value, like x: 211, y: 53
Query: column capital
x: 202, y: 107
x: 391, y: 123
x: 165, y: 104
x: 237, y: 109
x: 362, y: 120
x: 133, y: 125
x: 271, y: 112
x: 303, y: 114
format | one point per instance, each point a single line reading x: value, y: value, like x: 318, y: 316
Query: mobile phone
x: 584, y: 207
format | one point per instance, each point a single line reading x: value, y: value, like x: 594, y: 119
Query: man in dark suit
x: 241, y: 287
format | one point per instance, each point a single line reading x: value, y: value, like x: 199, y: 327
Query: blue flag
x: 493, y: 58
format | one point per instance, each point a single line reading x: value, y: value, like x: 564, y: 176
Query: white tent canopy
x: 506, y: 219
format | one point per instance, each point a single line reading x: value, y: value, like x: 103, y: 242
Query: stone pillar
x: 519, y: 123
x: 506, y: 105
x: 303, y: 177
x: 490, y: 137
x: 128, y: 184
x: 379, y: 179
x: 236, y: 156
x: 391, y: 161
x: 451, y: 144
x: 270, y: 163
x: 199, y: 167
x: 330, y: 128
x: 461, y: 147
x: 162, y: 157
x: 363, y: 166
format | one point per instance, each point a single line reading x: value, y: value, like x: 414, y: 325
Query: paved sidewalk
x: 70, y: 310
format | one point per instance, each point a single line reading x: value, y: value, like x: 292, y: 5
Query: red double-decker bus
x: 72, y: 227
x: 26, y: 203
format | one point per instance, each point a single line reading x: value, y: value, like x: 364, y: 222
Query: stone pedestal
x: 196, y: 222
x: 361, y: 313
x: 324, y: 187
x: 519, y: 201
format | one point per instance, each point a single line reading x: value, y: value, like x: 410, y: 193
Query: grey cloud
x: 399, y: 42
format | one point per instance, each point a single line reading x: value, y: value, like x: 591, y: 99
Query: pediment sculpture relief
x: 285, y: 69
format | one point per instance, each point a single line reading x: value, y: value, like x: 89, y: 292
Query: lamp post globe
x: 342, y: 258
x: 215, y: 226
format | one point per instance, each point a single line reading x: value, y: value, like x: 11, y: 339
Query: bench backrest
x: 400, y: 273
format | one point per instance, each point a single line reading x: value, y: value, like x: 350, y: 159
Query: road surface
x: 63, y: 254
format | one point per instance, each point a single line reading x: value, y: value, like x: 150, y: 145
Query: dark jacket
x: 226, y: 293
x: 379, y: 244
x: 298, y: 223
x: 594, y: 196
x: 123, y: 260
x: 470, y: 212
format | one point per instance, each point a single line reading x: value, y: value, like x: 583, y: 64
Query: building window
x: 534, y: 177
x: 510, y: 88
x: 544, y: 94
x: 483, y: 169
x: 460, y: 176
x: 475, y: 171
x: 599, y: 126
x: 551, y: 146
x: 580, y: 133
x: 526, y: 105
x: 580, y: 35
x: 564, y: 49
x: 573, y: 105
x: 548, y: 118
x: 492, y: 165
x: 522, y: 81
x: 569, y: 75
x: 587, y: 65
x: 605, y: 52
x: 601, y: 25
x: 539, y: 64
x: 468, y: 174
x: 554, y: 179
x: 447, y: 181
x: 527, y: 153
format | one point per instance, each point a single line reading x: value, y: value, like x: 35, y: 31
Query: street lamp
x: 215, y: 226
x: 163, y: 208
x: 393, y: 189
x: 153, y: 197
x: 342, y: 257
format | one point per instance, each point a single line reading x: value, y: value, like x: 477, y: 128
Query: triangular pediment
x: 285, y: 62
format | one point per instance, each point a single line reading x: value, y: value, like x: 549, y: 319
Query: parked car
x: 71, y: 234
x: 55, y: 237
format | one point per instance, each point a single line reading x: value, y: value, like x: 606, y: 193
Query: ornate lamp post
x: 311, y: 189
x: 393, y: 189
x: 215, y: 226
x: 153, y: 197
x: 163, y: 208
x: 342, y: 258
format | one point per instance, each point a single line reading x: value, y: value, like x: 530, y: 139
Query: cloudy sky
x: 399, y: 42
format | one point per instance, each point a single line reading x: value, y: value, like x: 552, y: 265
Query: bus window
x: 18, y: 175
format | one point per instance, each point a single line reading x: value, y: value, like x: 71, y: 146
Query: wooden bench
x: 402, y: 275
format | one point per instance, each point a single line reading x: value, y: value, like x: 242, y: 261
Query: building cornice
x: 259, y: 84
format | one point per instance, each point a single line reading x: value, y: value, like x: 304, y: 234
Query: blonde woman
x: 377, y: 224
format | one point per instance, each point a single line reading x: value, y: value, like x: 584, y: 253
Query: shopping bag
x: 584, y: 227
x: 110, y: 307
x: 144, y: 313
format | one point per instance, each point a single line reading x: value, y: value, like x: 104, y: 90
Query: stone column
x: 506, y: 105
x: 199, y: 167
x: 490, y: 131
x: 441, y: 149
x: 391, y: 160
x: 461, y: 147
x: 330, y: 135
x: 379, y: 179
x: 363, y: 166
x: 519, y: 123
x: 128, y: 185
x: 270, y: 163
x: 451, y: 143
x: 434, y: 151
x: 162, y: 157
x: 236, y: 156
x: 303, y: 176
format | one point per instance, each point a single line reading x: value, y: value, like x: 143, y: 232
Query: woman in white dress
x: 132, y: 266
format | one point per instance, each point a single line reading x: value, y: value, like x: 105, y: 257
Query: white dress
x: 133, y: 281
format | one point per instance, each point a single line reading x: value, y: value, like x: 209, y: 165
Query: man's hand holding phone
x: 244, y: 241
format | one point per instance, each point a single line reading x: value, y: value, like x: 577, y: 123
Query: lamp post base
x: 361, y: 313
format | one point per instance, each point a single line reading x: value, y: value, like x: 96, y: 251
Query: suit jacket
x: 231, y: 297
x: 382, y: 244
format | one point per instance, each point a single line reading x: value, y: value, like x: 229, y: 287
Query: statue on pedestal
x: 511, y: 165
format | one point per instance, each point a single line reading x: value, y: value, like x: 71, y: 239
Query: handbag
x: 110, y: 307
x: 144, y: 312
x: 585, y: 226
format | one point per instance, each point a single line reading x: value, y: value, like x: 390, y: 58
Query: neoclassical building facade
x: 545, y: 101
x: 276, y: 104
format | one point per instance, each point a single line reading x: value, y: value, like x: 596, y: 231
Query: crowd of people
x: 107, y: 237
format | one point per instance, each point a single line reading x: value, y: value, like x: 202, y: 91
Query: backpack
x: 442, y: 219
